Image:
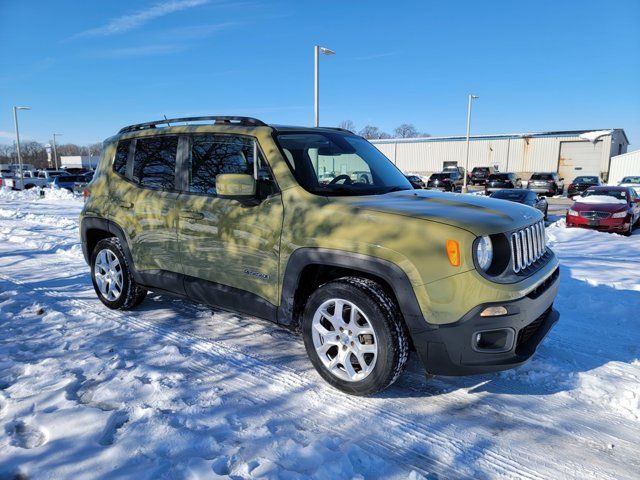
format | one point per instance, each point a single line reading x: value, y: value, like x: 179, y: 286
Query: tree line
x: 35, y: 153
x: 371, y: 132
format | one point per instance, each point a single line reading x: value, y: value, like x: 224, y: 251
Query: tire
x: 383, y: 336
x: 629, y: 230
x: 110, y: 251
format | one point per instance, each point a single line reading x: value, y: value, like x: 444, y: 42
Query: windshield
x: 513, y: 195
x: 440, y: 176
x: 590, y: 180
x: 499, y: 176
x: 631, y: 180
x: 542, y: 176
x: 479, y: 170
x: 619, y: 194
x: 328, y: 163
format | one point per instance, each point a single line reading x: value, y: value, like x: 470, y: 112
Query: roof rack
x: 218, y: 120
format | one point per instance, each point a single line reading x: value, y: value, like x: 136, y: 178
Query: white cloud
x: 8, y: 135
x: 134, y: 20
x: 140, y: 51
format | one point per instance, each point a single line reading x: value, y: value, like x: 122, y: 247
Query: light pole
x: 15, y: 120
x: 466, y: 150
x: 55, y: 152
x: 317, y: 50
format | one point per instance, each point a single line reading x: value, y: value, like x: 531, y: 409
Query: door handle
x: 191, y: 215
x: 125, y: 204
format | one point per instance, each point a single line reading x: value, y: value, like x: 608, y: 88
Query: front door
x: 224, y: 241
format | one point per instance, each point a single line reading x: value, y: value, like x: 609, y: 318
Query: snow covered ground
x: 178, y: 390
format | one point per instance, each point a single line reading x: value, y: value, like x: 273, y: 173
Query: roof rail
x: 223, y: 120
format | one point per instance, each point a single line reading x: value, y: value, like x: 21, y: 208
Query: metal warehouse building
x: 624, y: 165
x: 570, y: 153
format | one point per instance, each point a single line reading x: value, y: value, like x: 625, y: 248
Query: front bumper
x: 602, y: 225
x: 451, y: 349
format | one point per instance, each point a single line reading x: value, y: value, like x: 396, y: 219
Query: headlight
x: 484, y: 253
x: 573, y: 213
x: 619, y: 215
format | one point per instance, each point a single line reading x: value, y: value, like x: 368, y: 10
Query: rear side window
x: 212, y: 155
x: 120, y: 162
x: 154, y: 164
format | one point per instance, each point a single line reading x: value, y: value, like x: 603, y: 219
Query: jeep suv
x: 232, y: 212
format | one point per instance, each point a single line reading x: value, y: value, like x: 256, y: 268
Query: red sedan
x: 608, y: 209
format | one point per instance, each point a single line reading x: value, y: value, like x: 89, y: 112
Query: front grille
x: 530, y: 330
x: 595, y: 215
x: 527, y: 246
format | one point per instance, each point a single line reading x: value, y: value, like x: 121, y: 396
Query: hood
x: 478, y: 214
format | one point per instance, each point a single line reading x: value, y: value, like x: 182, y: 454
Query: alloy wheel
x: 344, y: 339
x: 108, y: 274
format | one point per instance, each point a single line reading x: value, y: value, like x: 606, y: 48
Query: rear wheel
x: 112, y: 277
x: 355, y: 336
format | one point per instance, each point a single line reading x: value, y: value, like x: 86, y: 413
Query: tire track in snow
x: 328, y: 404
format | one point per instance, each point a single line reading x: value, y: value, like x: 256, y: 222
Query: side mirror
x: 236, y: 186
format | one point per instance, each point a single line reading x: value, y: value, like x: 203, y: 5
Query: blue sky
x: 89, y: 68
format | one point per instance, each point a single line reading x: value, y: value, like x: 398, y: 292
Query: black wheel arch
x: 299, y: 282
x: 94, y: 229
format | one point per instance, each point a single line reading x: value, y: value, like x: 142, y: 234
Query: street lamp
x: 317, y: 50
x: 55, y: 152
x: 466, y: 150
x: 15, y: 121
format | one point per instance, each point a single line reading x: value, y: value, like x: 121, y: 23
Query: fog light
x: 494, y: 311
x: 494, y: 341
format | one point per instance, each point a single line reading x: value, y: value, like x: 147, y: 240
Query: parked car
x: 608, y: 209
x: 580, y: 184
x: 448, y: 181
x: 415, y: 181
x: 633, y: 182
x: 498, y: 181
x: 479, y: 175
x: 5, y: 174
x: 72, y: 183
x: 526, y: 197
x: 363, y: 271
x: 30, y: 179
x: 461, y: 171
x: 549, y: 184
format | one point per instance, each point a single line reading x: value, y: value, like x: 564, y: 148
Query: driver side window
x: 212, y: 155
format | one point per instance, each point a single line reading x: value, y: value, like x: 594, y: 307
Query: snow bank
x: 177, y: 390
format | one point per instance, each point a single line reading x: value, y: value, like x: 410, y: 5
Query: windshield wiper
x: 397, y: 189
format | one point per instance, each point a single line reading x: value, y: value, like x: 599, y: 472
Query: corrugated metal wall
x: 624, y: 165
x: 523, y: 155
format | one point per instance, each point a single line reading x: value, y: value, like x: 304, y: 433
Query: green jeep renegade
x: 315, y: 229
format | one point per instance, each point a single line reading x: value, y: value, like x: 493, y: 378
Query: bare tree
x: 347, y: 125
x: 370, y: 132
x: 406, y: 130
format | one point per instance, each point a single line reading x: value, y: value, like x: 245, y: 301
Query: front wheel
x: 112, y: 277
x: 355, y: 336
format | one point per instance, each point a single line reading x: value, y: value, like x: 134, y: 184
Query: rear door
x: 221, y: 240
x: 144, y: 204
